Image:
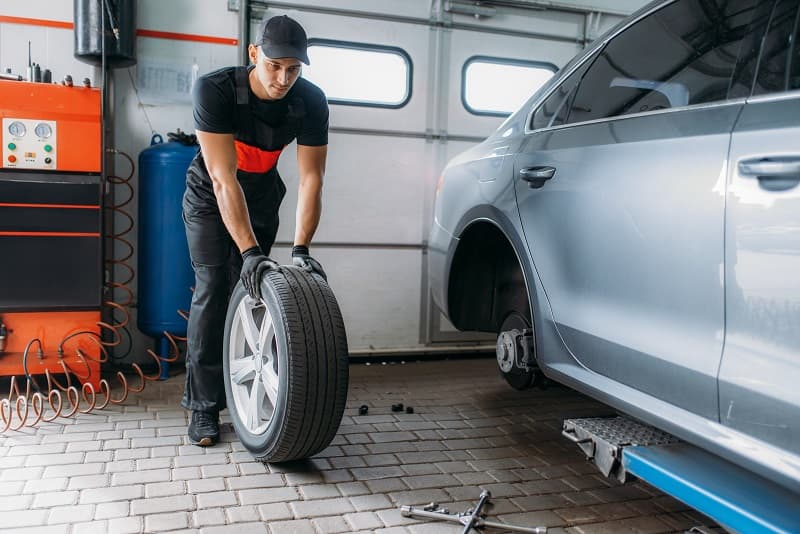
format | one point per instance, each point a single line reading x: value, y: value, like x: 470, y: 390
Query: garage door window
x: 683, y: 54
x: 498, y: 87
x: 360, y: 74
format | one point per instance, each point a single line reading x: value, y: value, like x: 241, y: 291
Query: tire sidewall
x: 269, y: 438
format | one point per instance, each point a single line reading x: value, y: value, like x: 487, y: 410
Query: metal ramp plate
x: 602, y: 439
x: 734, y: 497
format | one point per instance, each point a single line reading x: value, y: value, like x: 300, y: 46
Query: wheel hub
x: 515, y: 350
x: 506, y: 350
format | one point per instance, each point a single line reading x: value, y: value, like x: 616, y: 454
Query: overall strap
x: 242, y: 86
x: 243, y: 117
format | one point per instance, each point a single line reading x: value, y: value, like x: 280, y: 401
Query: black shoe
x: 204, y: 428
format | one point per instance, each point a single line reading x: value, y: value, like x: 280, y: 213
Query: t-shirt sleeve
x: 315, y: 124
x: 213, y: 107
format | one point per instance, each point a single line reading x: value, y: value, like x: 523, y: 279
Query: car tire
x: 285, y: 364
x: 517, y: 378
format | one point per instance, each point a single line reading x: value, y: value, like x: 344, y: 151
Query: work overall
x: 215, y: 257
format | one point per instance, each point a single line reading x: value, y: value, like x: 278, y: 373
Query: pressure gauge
x: 17, y: 129
x: 43, y: 130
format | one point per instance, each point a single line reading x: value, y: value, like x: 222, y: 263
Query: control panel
x: 29, y: 143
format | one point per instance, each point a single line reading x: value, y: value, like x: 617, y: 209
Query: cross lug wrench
x: 471, y: 519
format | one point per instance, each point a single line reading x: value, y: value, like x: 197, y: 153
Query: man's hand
x: 301, y: 259
x: 254, y: 265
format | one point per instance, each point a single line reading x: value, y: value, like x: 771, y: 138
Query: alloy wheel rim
x: 253, y: 365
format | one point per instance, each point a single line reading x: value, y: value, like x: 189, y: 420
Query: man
x: 244, y: 117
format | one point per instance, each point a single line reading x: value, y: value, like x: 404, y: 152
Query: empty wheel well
x: 486, y: 280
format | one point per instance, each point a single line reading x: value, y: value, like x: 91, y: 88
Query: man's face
x: 276, y: 75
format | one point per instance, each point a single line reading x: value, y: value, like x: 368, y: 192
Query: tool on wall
x: 29, y: 72
x: 471, y: 519
x: 8, y: 75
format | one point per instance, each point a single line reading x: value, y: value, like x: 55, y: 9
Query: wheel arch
x: 486, y: 266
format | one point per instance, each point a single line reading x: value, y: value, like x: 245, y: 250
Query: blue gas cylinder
x: 165, y: 275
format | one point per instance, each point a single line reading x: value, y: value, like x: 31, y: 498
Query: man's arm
x: 311, y: 166
x: 219, y: 154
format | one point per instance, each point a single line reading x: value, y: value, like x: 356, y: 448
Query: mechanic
x: 244, y: 117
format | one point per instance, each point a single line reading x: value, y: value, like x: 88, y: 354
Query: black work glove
x: 254, y: 264
x: 301, y: 259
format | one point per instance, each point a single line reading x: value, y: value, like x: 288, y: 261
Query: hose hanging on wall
x: 33, y: 403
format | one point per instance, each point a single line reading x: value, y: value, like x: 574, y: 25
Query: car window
x: 553, y: 111
x: 745, y: 72
x: 794, y: 61
x: 772, y: 67
x: 680, y: 55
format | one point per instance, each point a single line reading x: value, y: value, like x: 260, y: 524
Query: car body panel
x: 760, y: 371
x: 628, y: 239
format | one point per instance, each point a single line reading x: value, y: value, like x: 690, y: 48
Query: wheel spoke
x: 270, y: 379
x: 243, y: 369
x: 266, y: 333
x: 254, y: 404
x: 248, y: 325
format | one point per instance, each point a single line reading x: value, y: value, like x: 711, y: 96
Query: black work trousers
x: 217, y: 264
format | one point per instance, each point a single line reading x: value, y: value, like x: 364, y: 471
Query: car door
x: 621, y: 191
x: 760, y: 371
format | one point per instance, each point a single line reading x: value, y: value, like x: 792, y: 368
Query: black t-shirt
x: 215, y: 99
x: 224, y: 103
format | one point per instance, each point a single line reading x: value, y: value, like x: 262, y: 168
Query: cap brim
x: 284, y: 51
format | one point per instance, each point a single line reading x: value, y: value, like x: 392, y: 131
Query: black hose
x: 25, y: 363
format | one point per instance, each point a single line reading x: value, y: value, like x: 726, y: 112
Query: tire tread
x: 318, y: 365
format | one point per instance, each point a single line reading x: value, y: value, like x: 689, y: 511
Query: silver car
x: 633, y: 231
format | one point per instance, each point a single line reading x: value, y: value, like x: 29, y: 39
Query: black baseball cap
x: 281, y: 37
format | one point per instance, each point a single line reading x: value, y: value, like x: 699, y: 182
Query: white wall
x: 379, y: 188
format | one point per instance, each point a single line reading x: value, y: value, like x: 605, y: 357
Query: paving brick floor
x: 129, y: 468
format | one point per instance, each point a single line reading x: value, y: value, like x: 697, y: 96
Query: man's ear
x: 252, y: 53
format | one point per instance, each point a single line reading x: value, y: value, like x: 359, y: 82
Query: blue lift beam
x: 730, y: 495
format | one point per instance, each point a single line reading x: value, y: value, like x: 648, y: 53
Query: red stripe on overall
x: 252, y: 159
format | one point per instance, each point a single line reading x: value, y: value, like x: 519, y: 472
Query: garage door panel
x: 401, y: 8
x: 378, y: 291
x: 371, y: 195
x: 466, y: 44
x: 411, y: 38
x: 558, y: 24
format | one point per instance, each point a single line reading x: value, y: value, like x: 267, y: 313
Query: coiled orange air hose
x: 20, y: 409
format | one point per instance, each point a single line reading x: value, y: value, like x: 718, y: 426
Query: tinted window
x: 745, y: 72
x: 495, y: 86
x: 553, y: 111
x: 794, y: 62
x: 359, y: 74
x: 772, y: 68
x: 683, y: 54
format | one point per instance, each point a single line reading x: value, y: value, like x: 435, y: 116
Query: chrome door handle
x: 537, y: 176
x: 768, y: 167
x: 774, y: 173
